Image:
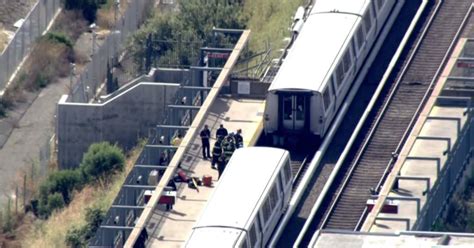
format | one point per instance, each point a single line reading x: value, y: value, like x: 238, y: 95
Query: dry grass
x: 269, y: 21
x: 3, y: 40
x: 106, y: 14
x: 105, y: 18
x: 48, y: 61
x: 72, y: 23
x: 52, y: 233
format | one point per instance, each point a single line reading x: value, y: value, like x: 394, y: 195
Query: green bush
x: 75, y: 237
x: 101, y: 160
x: 176, y: 38
x: 59, y: 183
x: 64, y: 182
x: 79, y: 236
x: 42, y: 80
x: 55, y: 202
x: 59, y: 37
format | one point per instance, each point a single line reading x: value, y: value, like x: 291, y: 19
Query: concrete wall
x: 122, y: 120
x: 172, y: 75
x: 257, y: 88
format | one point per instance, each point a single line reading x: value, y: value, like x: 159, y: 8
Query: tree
x: 176, y: 38
x: 102, y: 159
x: 64, y: 182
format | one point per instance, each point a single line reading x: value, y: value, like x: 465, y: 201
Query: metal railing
x: 89, y: 82
x: 405, y: 136
x: 36, y: 22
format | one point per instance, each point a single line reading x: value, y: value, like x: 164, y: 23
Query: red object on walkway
x: 182, y: 176
x: 207, y: 180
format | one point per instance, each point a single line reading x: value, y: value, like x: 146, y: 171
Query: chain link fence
x: 33, y: 27
x: 90, y: 80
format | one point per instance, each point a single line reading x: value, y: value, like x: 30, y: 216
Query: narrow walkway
x: 171, y: 228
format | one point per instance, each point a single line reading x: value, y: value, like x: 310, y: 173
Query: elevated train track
x: 347, y: 126
x: 399, y: 107
x: 384, y: 129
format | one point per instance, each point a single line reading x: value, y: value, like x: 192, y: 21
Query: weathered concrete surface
x: 123, y: 120
x: 32, y: 133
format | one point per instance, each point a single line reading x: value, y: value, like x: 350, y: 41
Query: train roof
x: 240, y: 189
x: 317, y: 48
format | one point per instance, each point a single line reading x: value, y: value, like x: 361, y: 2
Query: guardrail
x: 394, y: 163
x: 190, y: 135
x: 314, y: 164
x: 366, y: 113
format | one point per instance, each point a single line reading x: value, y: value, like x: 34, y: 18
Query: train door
x: 294, y: 108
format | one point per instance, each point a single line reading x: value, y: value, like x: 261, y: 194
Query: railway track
x: 348, y: 124
x: 372, y: 152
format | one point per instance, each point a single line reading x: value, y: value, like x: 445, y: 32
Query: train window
x: 367, y: 20
x: 340, y: 74
x: 282, y: 180
x: 326, y: 99
x: 360, y: 37
x: 333, y: 84
x: 253, y: 235
x: 287, y: 171
x: 300, y: 107
x: 347, y: 61
x: 287, y: 108
x: 244, y: 244
x: 380, y: 3
x: 267, y: 210
x: 274, y: 195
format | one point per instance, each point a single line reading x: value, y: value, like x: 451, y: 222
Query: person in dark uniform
x: 222, y: 132
x: 221, y: 164
x: 141, y: 240
x: 205, y: 135
x: 228, y: 148
x: 239, y: 140
x: 216, y: 152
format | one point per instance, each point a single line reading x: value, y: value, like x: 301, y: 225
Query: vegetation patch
x: 60, y: 38
x: 174, y: 38
x: 460, y: 214
x: 48, y: 61
x: 177, y: 37
x: 74, y: 225
x: 100, y: 162
x: 269, y: 21
x: 3, y: 40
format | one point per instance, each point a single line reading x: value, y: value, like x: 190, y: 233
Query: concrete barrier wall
x: 123, y: 120
x: 171, y: 75
x: 256, y: 89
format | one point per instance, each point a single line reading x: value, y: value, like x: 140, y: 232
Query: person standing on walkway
x: 216, y: 152
x: 222, y: 131
x: 177, y: 140
x: 228, y: 148
x: 239, y: 140
x: 205, y: 135
x: 220, y: 165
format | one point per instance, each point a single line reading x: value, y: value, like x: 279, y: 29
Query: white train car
x: 322, y: 64
x: 248, y: 201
